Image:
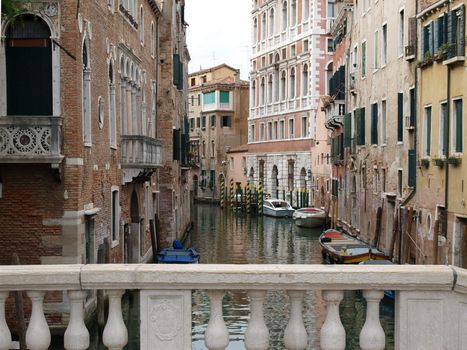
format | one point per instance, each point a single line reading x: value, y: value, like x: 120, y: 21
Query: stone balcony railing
x: 430, y: 305
x: 31, y: 139
x: 140, y: 151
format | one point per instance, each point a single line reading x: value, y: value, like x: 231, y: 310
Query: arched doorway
x: 195, y: 185
x: 261, y: 171
x: 28, y: 57
x: 290, y: 174
x: 251, y: 177
x: 275, y: 182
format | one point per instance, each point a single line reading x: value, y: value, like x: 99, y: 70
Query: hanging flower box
x: 425, y: 162
x: 454, y: 161
x: 438, y: 162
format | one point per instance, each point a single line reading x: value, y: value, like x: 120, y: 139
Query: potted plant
x: 424, y: 162
x: 439, y: 162
x: 440, y: 54
x: 427, y: 59
x: 454, y: 160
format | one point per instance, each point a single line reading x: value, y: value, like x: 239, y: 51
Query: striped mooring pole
x: 222, y: 192
x: 260, y: 199
x: 232, y: 193
x: 248, y: 197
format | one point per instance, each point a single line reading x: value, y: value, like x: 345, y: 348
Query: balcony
x: 140, y: 152
x: 430, y: 307
x: 28, y: 139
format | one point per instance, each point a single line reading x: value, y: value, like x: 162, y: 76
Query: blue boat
x: 389, y: 295
x: 177, y: 254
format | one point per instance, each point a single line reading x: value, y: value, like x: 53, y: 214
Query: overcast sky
x: 219, y: 32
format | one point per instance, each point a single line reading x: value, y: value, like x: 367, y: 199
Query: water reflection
x: 226, y: 238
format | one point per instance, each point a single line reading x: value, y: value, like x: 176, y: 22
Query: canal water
x: 223, y: 237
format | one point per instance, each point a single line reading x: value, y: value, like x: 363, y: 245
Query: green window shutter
x: 461, y: 37
x: 341, y: 146
x: 180, y: 77
x: 432, y: 35
x: 459, y: 126
x: 436, y: 34
x: 428, y: 131
x: 400, y: 117
x: 176, y: 140
x: 361, y: 126
x: 374, y: 124
x: 412, y: 107
x: 412, y: 168
x: 347, y: 130
x: 209, y: 97
x: 176, y: 69
x: 224, y: 96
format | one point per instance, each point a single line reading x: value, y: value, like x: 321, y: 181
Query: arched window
x: 123, y: 82
x: 276, y: 83
x: 283, y: 86
x: 152, y: 39
x: 255, y: 30
x: 263, y: 26
x: 86, y: 97
x: 306, y: 10
x: 270, y: 88
x: 253, y: 94
x: 284, y: 16
x: 28, y: 65
x: 112, y: 116
x: 292, y: 83
x: 293, y: 12
x: 141, y: 25
x: 271, y: 23
x: 328, y: 77
x: 262, y: 92
x: 305, y: 80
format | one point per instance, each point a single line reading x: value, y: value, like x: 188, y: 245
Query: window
x: 330, y: 45
x: 364, y: 59
x: 198, y: 122
x: 306, y: 10
x: 293, y: 10
x: 443, y: 113
x: 269, y: 130
x: 203, y: 122
x: 305, y: 80
x: 213, y: 149
x: 374, y: 124
x: 204, y: 79
x: 213, y: 121
x: 384, y: 45
x: 269, y: 89
x: 212, y: 179
x: 292, y: 83
x: 86, y: 98
x: 115, y: 219
x: 304, y: 127
x: 261, y: 132
x: 209, y: 98
x: 262, y: 93
x: 192, y: 83
x: 252, y: 133
x: 192, y: 124
x: 305, y: 46
x: 141, y: 25
x: 153, y: 39
x: 399, y: 182
x: 360, y: 126
x: 284, y: 15
x: 457, y: 132
x: 401, y: 32
x: 271, y: 22
x: 293, y: 50
x: 112, y: 107
x: 376, y: 52
x: 282, y: 130
x: 199, y: 99
x: 253, y: 94
x: 428, y: 40
x: 427, y: 132
x: 283, y: 90
x: 225, y: 97
x: 291, y: 129
x: 276, y: 134
x: 400, y: 117
x: 226, y: 121
x: 255, y: 30
x: 263, y: 26
x: 383, y: 122
x: 331, y: 9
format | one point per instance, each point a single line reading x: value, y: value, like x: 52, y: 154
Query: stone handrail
x: 431, y: 302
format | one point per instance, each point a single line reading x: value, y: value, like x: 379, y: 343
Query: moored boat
x: 341, y: 248
x: 177, y: 254
x: 277, y: 208
x: 309, y: 217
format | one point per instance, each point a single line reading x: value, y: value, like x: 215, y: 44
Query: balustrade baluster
x: 295, y: 337
x: 76, y: 335
x: 217, y: 334
x: 5, y: 335
x: 38, y: 334
x: 115, y: 335
x: 372, y: 335
x: 332, y: 335
x: 257, y: 333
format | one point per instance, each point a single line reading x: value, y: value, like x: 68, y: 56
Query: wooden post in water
x: 19, y: 305
x: 395, y: 231
x: 435, y: 242
x: 153, y: 240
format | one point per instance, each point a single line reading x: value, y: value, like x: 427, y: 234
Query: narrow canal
x: 226, y: 238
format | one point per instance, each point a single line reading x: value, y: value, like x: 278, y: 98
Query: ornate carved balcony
x: 29, y: 139
x: 430, y: 307
x: 140, y: 152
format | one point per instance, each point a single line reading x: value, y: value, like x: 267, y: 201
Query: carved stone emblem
x: 166, y: 319
x: 51, y: 9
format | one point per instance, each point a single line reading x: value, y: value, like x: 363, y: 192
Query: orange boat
x: 340, y: 248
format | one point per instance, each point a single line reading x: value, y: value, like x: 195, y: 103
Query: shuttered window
x: 400, y: 117
x: 177, y: 71
x: 224, y: 97
x: 457, y: 126
x: 347, y: 130
x: 209, y: 97
x: 374, y: 124
x: 427, y: 132
x: 412, y: 170
x: 360, y: 119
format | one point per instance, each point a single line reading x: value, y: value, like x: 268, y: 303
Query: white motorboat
x: 277, y: 208
x: 309, y: 217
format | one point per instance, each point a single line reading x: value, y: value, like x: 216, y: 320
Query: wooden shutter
x: 412, y: 168
x: 374, y: 124
x: 411, y: 40
x: 176, y: 140
x: 361, y: 126
x: 400, y: 117
x: 459, y: 126
x: 347, y: 130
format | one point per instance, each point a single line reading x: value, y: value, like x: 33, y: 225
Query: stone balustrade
x: 430, y: 307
